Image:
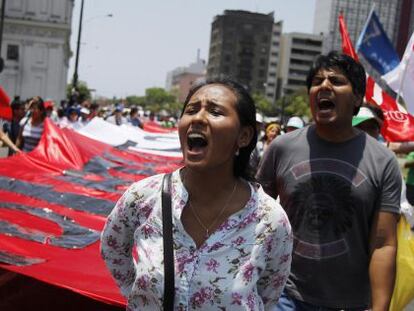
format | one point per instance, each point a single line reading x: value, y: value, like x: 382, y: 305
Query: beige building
x: 181, y: 79
x: 297, y: 53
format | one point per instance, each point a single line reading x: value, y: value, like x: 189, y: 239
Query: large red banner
x: 53, y: 205
x: 5, y: 109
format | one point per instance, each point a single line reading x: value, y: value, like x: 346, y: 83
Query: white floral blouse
x: 242, y: 266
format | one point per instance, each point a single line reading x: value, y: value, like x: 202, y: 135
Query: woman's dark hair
x: 61, y: 113
x: 37, y: 101
x: 133, y: 111
x: 246, y: 111
x: 16, y: 103
x: 352, y: 69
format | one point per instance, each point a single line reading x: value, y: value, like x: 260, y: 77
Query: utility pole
x: 3, y: 7
x: 282, y: 112
x: 75, y: 73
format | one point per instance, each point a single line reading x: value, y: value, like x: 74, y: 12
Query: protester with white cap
x: 84, y: 116
x: 294, y: 123
x: 117, y: 118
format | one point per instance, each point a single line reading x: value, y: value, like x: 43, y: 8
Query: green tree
x: 263, y: 105
x: 296, y: 103
x: 157, y: 95
x: 136, y: 101
x: 154, y: 100
x: 84, y: 91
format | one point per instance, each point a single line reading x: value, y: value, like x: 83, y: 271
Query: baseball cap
x: 295, y: 122
x: 363, y: 115
x: 119, y: 108
x: 84, y: 110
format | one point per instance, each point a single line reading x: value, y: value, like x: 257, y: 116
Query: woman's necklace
x: 207, y: 229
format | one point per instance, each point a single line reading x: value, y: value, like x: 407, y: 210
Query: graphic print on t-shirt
x: 322, y: 206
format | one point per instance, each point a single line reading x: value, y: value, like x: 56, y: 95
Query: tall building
x: 245, y: 47
x: 396, y: 16
x: 272, y: 86
x: 297, y: 53
x: 181, y: 79
x: 35, y: 48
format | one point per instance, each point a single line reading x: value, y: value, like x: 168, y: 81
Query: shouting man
x: 341, y: 190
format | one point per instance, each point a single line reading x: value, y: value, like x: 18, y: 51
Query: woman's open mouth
x: 196, y: 142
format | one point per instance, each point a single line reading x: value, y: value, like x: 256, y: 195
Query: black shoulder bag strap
x: 169, y: 287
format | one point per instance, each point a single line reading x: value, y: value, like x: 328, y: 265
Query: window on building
x: 31, y: 7
x: 262, y: 62
x: 58, y: 7
x: 16, y: 5
x: 12, y: 52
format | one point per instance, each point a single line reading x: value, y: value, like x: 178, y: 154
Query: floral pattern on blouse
x: 244, y: 265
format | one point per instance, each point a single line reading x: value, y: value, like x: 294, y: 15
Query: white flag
x: 401, y: 78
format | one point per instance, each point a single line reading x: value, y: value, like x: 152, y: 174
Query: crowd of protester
x: 23, y: 131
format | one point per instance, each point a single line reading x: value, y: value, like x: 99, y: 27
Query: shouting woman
x: 232, y: 242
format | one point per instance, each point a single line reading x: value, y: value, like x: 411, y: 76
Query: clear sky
x: 133, y: 50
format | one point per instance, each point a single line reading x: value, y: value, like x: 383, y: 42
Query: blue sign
x: 375, y: 46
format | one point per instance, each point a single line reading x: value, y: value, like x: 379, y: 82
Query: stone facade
x: 36, y: 49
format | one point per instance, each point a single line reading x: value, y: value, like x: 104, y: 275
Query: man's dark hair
x: 246, y: 111
x: 133, y: 111
x: 16, y: 103
x: 61, y: 112
x: 94, y: 107
x: 38, y: 102
x: 352, y: 69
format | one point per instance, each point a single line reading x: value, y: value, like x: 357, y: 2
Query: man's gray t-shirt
x: 331, y: 192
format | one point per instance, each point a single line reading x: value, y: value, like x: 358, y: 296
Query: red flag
x: 347, y: 46
x: 398, y: 124
x: 5, y: 109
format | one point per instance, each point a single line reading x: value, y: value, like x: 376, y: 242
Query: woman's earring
x: 237, y: 152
